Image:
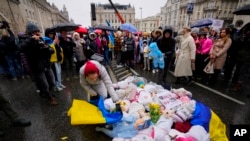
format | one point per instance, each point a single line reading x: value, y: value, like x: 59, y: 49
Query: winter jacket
x: 57, y: 56
x: 79, y: 50
x: 219, y: 50
x: 67, y: 46
x: 38, y: 54
x: 118, y: 45
x: 185, y: 53
x: 166, y: 45
x: 103, y: 86
x: 206, y: 45
x: 130, y: 42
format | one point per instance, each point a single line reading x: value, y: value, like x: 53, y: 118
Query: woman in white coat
x: 185, y: 56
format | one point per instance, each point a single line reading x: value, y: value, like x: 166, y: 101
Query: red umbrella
x: 81, y: 29
x: 98, y: 31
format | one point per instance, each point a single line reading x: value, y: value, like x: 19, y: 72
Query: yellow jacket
x: 53, y: 57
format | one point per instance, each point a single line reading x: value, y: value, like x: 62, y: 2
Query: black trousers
x: 6, y: 108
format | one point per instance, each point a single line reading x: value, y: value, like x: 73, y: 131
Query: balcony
x: 184, y: 4
x: 227, y: 18
x: 211, y: 8
x: 199, y: 1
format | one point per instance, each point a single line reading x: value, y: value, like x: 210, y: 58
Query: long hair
x: 227, y: 35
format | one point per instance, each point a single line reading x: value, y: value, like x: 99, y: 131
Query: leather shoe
x: 20, y: 122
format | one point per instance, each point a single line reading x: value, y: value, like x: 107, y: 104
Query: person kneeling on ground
x: 96, y: 81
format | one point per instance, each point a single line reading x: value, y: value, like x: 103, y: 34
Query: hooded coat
x: 103, y: 86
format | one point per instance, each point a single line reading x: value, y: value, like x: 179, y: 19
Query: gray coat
x: 103, y: 86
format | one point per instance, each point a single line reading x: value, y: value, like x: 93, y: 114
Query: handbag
x: 209, y: 69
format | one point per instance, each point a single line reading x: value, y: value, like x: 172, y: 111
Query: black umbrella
x: 65, y: 26
x: 202, y: 22
x: 244, y: 10
x: 103, y: 27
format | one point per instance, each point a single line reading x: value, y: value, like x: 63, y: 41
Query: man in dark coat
x: 166, y: 45
x: 38, y: 54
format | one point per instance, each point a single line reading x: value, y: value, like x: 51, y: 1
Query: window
x: 27, y: 14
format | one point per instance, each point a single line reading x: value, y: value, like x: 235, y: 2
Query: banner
x: 190, y: 8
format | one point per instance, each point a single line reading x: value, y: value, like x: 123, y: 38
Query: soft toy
x: 139, y: 81
x: 181, y: 92
x: 128, y: 92
x: 124, y: 105
x: 196, y: 133
x: 143, y: 122
x: 134, y: 108
x: 156, y: 55
x: 109, y: 105
x: 162, y: 127
x: 185, y: 112
x: 144, y: 98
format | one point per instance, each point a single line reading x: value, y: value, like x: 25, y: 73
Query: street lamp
x: 141, y: 20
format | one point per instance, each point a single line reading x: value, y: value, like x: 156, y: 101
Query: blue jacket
x: 156, y: 55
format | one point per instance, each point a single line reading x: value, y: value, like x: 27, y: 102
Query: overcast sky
x: 79, y: 10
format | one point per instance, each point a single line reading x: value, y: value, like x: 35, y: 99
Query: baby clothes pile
x: 181, y: 119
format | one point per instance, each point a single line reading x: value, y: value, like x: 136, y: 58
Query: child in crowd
x: 145, y: 55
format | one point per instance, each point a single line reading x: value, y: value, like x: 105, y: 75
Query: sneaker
x: 76, y: 77
x: 153, y: 71
x: 144, y: 68
x: 20, y: 122
x: 157, y: 70
x: 52, y: 101
x: 119, y: 66
x: 57, y: 89
x: 67, y: 79
x: 14, y: 78
x: 38, y: 91
x: 62, y: 86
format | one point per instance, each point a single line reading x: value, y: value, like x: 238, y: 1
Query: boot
x: 52, y: 101
x: 236, y: 87
x: 178, y: 80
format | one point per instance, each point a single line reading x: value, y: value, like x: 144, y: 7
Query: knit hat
x: 90, y: 67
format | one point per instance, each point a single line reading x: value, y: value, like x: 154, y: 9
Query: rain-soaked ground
x: 51, y: 123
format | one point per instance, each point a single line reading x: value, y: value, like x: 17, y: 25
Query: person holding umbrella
x: 67, y: 45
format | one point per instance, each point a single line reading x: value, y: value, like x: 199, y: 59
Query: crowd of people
x: 190, y: 51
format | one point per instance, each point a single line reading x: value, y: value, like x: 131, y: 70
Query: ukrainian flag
x: 84, y: 112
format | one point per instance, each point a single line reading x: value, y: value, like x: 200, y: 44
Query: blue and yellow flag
x: 84, y: 112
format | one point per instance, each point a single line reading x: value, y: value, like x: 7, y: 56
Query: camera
x: 4, y: 24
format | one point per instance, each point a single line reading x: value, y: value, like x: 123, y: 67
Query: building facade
x: 170, y: 14
x: 241, y: 20
x: 148, y: 24
x: 106, y: 12
x: 216, y: 9
x: 20, y: 12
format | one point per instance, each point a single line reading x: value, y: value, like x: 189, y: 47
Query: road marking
x: 217, y: 92
x: 220, y: 93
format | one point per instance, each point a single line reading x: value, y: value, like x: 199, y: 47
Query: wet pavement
x: 51, y: 123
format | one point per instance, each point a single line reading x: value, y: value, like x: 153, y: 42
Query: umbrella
x: 98, y: 31
x: 244, y: 10
x: 129, y: 27
x: 65, y: 26
x: 202, y: 22
x: 103, y: 27
x: 81, y: 29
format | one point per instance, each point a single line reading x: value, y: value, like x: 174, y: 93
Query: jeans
x: 106, y: 57
x: 45, y: 81
x: 118, y: 58
x: 14, y: 66
x: 57, y: 73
